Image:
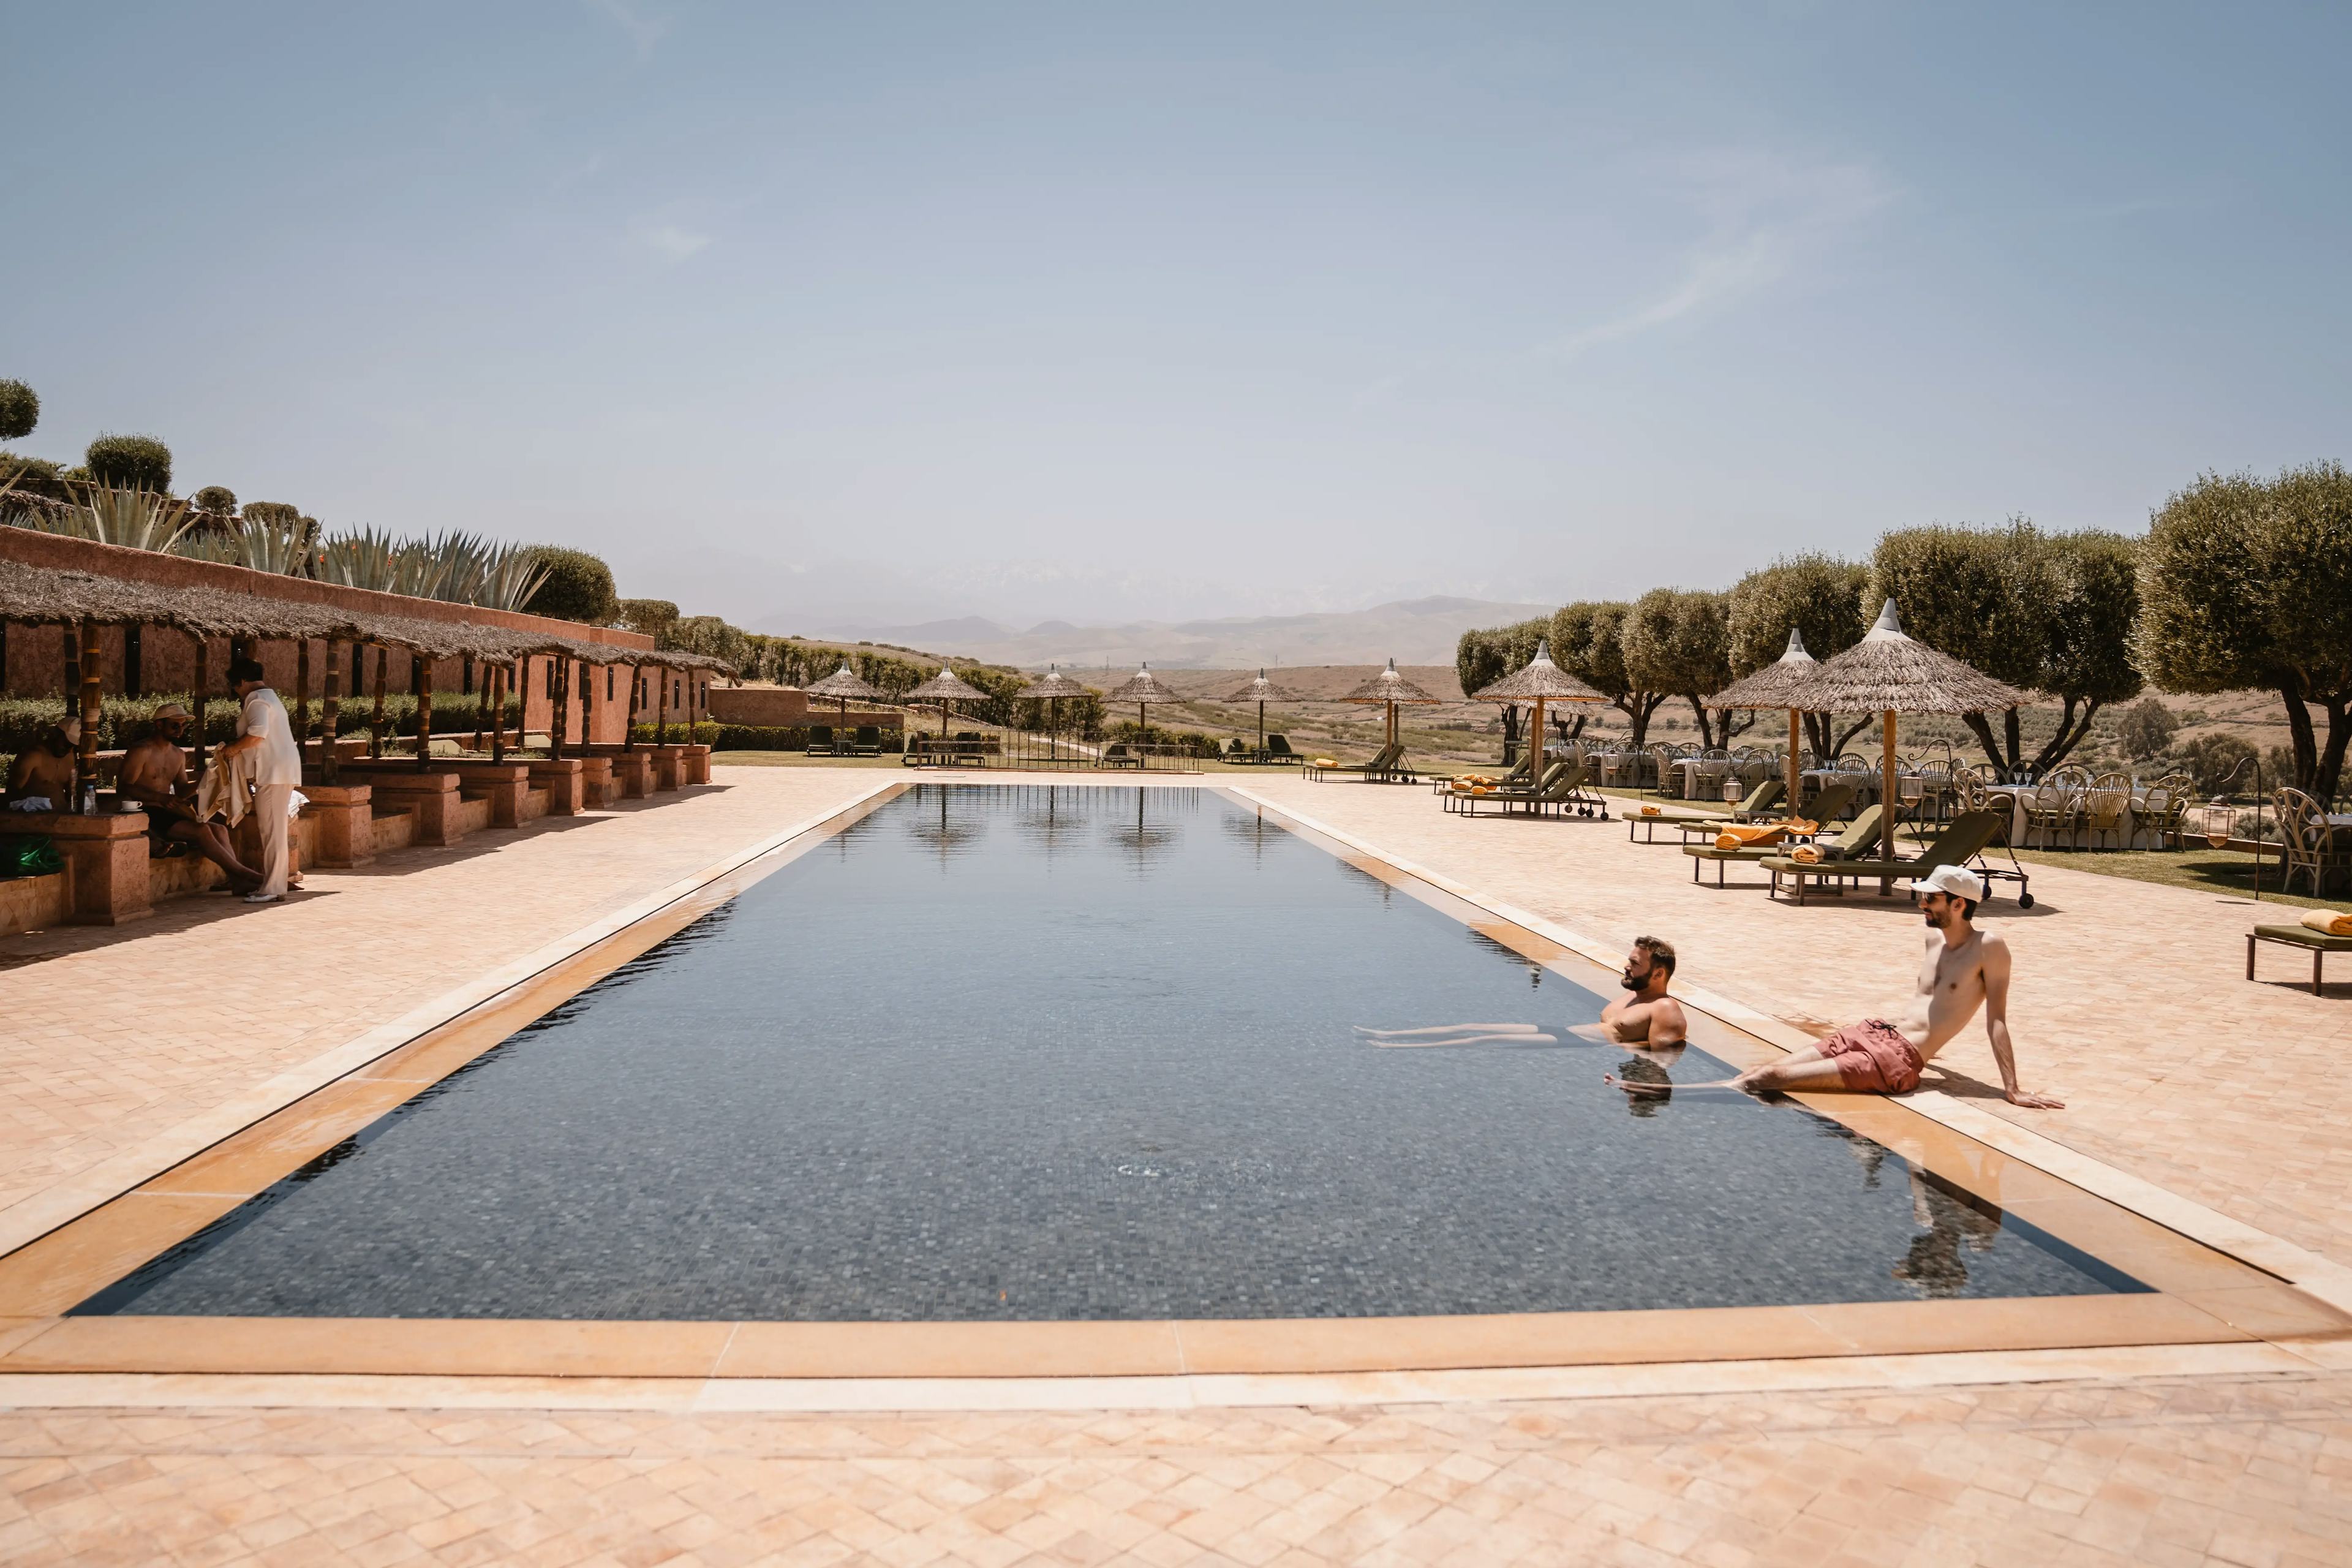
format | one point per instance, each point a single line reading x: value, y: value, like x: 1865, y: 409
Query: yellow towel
x: 1649, y: 811
x: 2328, y: 923
x: 1805, y: 854
x: 227, y: 789
x: 1326, y: 762
x: 1745, y: 837
x: 1797, y: 825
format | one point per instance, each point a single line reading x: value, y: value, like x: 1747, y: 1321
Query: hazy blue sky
x: 877, y: 310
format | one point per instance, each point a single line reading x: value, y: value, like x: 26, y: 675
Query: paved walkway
x: 2131, y: 1004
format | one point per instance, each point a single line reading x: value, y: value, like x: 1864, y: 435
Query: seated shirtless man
x: 45, y: 771
x: 1645, y: 1016
x: 155, y: 775
x: 1964, y: 969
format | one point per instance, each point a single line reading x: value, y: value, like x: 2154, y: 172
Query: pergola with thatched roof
x: 1778, y: 685
x: 1390, y: 688
x: 37, y: 595
x: 1889, y: 674
x: 1540, y: 682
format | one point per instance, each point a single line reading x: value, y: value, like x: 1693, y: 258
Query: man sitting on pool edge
x: 1963, y: 969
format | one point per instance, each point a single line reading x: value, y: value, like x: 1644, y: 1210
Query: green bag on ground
x: 29, y: 855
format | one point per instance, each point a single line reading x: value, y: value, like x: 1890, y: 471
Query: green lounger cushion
x: 2303, y: 936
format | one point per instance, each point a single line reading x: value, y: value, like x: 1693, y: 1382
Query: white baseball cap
x: 1958, y: 880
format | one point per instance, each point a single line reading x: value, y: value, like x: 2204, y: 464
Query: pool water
x: 998, y: 1052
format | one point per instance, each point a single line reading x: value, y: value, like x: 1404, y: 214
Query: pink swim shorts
x: 1873, y: 1058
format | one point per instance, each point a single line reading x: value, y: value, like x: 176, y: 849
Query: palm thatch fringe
x: 845, y: 685
x: 1886, y: 672
x: 1142, y: 686
x: 945, y: 687
x: 1389, y: 687
x: 1264, y: 691
x: 1774, y: 685
x: 1542, y: 677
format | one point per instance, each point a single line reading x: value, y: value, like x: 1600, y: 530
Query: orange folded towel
x: 1326, y: 762
x: 1797, y: 825
x: 1649, y: 811
x: 2328, y: 923
x: 1738, y: 837
x: 1805, y: 854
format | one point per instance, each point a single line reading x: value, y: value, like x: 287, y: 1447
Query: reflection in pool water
x: 1081, y: 1052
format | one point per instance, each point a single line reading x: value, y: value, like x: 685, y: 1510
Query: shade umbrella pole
x: 1796, y: 768
x: 1890, y: 797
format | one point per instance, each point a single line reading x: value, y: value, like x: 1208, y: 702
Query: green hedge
x: 122, y: 719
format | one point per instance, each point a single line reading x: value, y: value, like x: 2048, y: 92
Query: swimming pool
x: 1085, y: 1053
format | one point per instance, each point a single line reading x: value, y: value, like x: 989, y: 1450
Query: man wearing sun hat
x: 155, y: 777
x: 1963, y: 969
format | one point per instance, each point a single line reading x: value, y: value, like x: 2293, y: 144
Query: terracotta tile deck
x: 2130, y: 1003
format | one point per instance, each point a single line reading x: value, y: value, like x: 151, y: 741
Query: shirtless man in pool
x: 1646, y: 1018
x: 1963, y: 969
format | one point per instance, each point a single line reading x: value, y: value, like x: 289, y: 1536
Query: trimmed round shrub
x: 218, y: 499
x: 275, y: 514
x: 20, y: 410
x: 130, y: 462
x: 579, y: 587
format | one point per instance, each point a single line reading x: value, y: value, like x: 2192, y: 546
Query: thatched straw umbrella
x: 943, y: 688
x: 1776, y: 686
x: 1050, y: 690
x: 1886, y: 673
x: 1540, y: 682
x: 1142, y: 688
x: 1390, y: 689
x: 1262, y: 691
x: 841, y: 685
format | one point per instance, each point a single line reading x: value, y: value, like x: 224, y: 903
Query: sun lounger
x: 1465, y: 798
x: 1856, y: 837
x: 1387, y: 763
x: 1964, y: 841
x: 2319, y: 945
x: 1116, y: 756
x: 820, y: 741
x: 1278, y: 750
x: 1521, y: 772
x: 1566, y: 786
x: 868, y: 742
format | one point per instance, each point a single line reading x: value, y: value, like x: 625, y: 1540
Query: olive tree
x: 1677, y: 640
x: 20, y: 410
x: 1818, y: 596
x: 1588, y: 640
x: 2247, y: 583
x: 129, y: 463
x: 2051, y: 613
x: 579, y: 587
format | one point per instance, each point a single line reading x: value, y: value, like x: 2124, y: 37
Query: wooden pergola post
x: 637, y: 689
x: 481, y: 698
x: 494, y: 679
x: 587, y: 706
x: 376, y: 731
x: 424, y: 711
x: 1796, y: 768
x: 302, y: 691
x: 330, y: 709
x: 92, y: 699
x: 558, y: 727
x: 661, y: 712
x: 204, y: 679
x: 1890, y: 791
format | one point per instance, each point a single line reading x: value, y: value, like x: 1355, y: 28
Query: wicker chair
x: 2107, y: 810
x: 2055, y: 806
x: 2313, y: 850
x: 2161, y: 810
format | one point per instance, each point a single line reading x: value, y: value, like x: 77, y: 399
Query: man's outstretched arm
x: 1996, y: 980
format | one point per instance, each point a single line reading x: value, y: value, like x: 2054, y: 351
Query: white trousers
x: 270, y: 827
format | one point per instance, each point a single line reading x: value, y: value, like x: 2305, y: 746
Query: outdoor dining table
x: 2019, y: 799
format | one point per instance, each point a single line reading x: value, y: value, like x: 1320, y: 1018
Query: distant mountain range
x: 1412, y: 631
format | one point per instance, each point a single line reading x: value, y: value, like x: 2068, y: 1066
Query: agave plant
x: 260, y: 544
x: 515, y: 573
x: 363, y: 559
x: 137, y: 520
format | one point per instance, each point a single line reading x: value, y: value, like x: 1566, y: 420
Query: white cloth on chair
x: 227, y: 789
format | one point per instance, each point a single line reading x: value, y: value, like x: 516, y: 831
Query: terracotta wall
x: 33, y: 661
x: 787, y: 707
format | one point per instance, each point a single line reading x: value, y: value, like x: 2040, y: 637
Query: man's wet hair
x: 1660, y: 950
